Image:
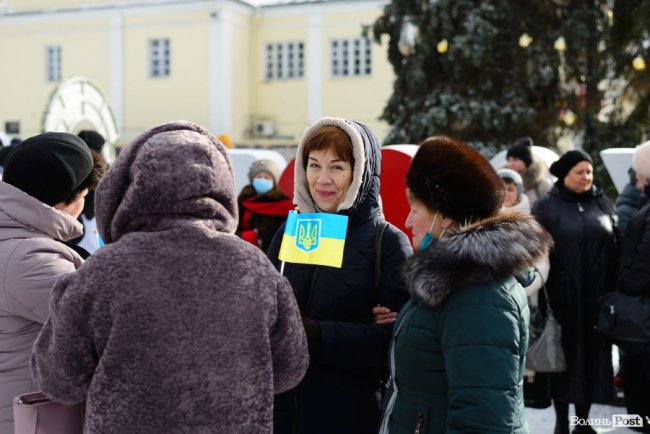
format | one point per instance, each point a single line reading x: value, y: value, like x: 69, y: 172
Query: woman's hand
x: 383, y: 315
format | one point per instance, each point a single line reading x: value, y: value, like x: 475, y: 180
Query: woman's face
x: 264, y: 175
x: 420, y: 219
x: 75, y: 207
x: 516, y: 164
x: 580, y: 178
x: 329, y: 178
x: 511, y: 195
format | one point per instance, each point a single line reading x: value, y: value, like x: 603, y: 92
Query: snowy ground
x: 543, y: 421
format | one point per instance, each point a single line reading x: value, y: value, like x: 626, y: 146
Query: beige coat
x: 31, y: 261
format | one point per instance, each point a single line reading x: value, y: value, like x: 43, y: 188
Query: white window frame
x: 159, y: 57
x: 53, y: 63
x: 284, y: 60
x: 350, y: 57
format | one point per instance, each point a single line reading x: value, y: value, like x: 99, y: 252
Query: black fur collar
x: 504, y: 245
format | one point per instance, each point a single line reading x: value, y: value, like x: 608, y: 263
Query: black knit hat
x: 522, y: 149
x: 561, y: 167
x: 49, y: 166
x: 451, y: 177
x: 93, y: 139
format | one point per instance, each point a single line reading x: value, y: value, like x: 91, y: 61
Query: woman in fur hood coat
x: 337, y: 171
x: 458, y: 351
x: 176, y: 325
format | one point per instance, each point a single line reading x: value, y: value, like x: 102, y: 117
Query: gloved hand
x: 314, y: 343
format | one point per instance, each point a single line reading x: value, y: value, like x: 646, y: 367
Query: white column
x: 220, y: 74
x: 116, y: 71
x: 314, y: 51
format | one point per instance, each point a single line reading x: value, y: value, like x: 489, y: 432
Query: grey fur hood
x: 147, y: 190
x: 500, y: 246
x: 362, y: 198
x: 534, y: 173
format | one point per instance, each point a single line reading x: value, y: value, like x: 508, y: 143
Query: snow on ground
x: 543, y: 421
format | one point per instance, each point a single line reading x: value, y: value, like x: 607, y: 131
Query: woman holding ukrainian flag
x: 337, y: 170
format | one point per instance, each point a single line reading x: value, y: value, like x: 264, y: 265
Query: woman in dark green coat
x: 458, y: 349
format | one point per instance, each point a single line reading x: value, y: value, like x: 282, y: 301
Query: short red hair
x: 328, y: 137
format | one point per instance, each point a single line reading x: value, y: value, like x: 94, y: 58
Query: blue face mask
x: 262, y: 186
x: 427, y: 239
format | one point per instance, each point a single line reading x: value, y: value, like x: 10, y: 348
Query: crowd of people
x: 187, y: 321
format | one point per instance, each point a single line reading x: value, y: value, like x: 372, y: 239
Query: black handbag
x: 537, y: 391
x: 625, y: 318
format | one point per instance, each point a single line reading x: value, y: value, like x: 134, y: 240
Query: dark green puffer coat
x: 458, y: 349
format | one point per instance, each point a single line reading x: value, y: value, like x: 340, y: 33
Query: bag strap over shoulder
x: 549, y: 311
x: 378, y: 239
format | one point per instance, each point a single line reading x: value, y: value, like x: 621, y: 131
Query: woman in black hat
x: 458, y: 348
x: 530, y: 167
x: 583, y: 268
x: 46, y: 178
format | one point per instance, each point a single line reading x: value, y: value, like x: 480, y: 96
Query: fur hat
x: 49, y: 166
x: 451, y: 177
x: 522, y: 149
x: 514, y: 177
x: 561, y: 167
x: 93, y: 139
x: 267, y: 166
x: 641, y: 159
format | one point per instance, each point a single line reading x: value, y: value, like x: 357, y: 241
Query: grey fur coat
x: 176, y: 325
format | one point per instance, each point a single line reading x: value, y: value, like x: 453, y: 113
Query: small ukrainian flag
x: 316, y: 238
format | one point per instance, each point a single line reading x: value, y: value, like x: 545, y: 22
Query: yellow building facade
x: 260, y: 74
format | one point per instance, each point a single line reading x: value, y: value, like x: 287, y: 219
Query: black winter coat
x: 635, y: 255
x: 337, y: 394
x: 627, y: 205
x: 583, y: 268
x: 634, y: 277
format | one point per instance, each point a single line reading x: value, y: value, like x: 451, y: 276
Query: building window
x: 53, y: 63
x: 349, y: 57
x: 284, y: 60
x: 159, y: 58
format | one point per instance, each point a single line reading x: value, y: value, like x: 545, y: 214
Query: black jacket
x: 634, y: 276
x: 338, y: 393
x: 583, y: 268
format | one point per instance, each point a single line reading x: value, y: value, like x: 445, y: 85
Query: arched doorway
x: 78, y: 104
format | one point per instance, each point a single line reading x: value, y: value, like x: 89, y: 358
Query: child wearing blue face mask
x: 263, y: 206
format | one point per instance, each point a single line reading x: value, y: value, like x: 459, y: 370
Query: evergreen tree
x: 489, y: 71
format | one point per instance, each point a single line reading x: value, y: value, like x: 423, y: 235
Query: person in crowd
x: 89, y: 240
x: 514, y: 191
x: 263, y: 207
x: 634, y: 279
x: 515, y: 199
x: 176, y: 325
x: 337, y: 170
x: 583, y: 268
x: 533, y: 170
x: 46, y: 179
x: 458, y: 348
x: 627, y: 203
